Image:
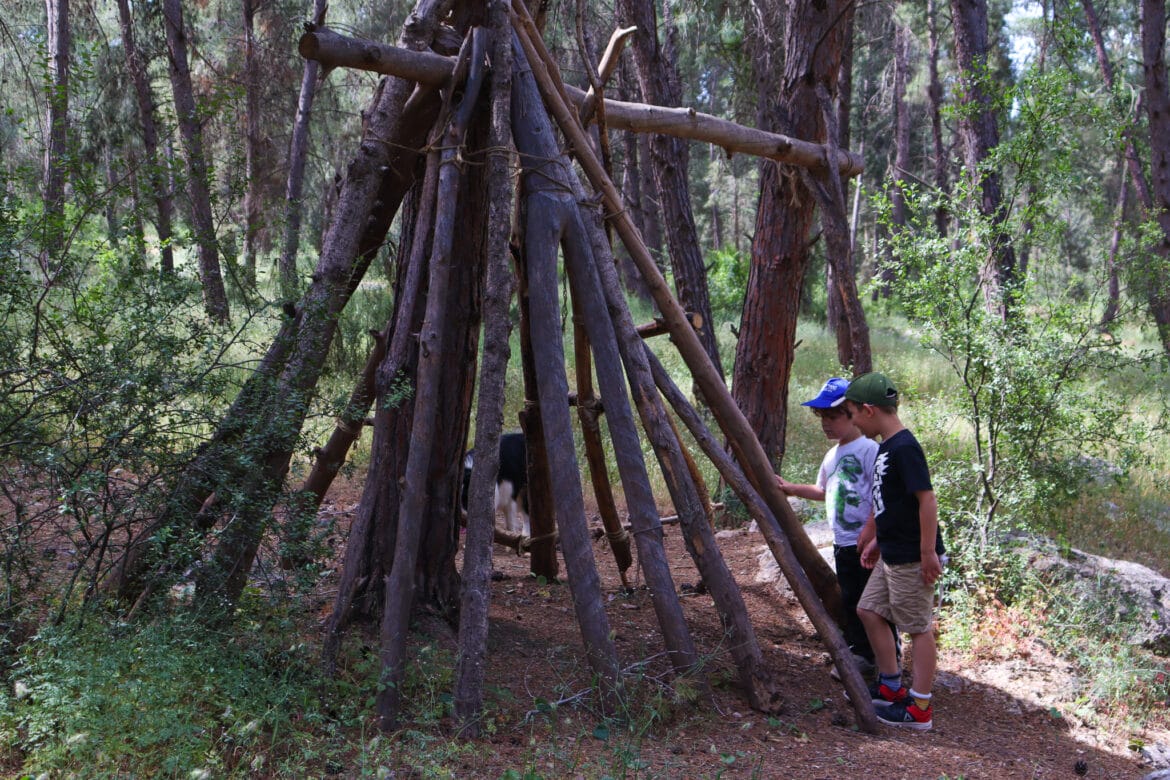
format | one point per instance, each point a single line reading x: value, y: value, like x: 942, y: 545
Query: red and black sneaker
x: 906, y: 714
x: 882, y: 695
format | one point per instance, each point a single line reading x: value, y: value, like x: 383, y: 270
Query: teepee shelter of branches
x: 471, y: 93
x: 557, y: 216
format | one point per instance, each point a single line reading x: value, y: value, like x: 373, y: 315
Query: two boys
x: 903, y: 545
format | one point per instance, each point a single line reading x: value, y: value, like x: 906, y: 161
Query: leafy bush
x: 164, y: 698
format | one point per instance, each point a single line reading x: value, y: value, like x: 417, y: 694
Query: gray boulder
x: 1141, y: 595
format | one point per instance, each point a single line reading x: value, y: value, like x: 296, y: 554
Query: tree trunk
x: 252, y: 141
x: 935, y: 96
x: 198, y: 176
x: 657, y: 66
x: 813, y: 42
x: 297, y: 155
x: 827, y: 188
x: 57, y: 122
x: 1113, y: 285
x: 156, y: 165
x: 1157, y: 99
x: 901, y: 173
x: 980, y: 132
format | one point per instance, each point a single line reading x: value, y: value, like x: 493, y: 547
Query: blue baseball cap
x: 832, y: 394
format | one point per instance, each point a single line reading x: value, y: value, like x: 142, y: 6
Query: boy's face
x: 863, y: 416
x: 835, y: 423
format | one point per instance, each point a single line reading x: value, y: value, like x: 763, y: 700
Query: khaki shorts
x: 897, y: 594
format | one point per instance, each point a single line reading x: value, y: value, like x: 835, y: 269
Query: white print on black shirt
x: 880, y: 467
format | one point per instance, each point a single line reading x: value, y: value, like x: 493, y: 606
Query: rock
x: 1161, y: 774
x: 1140, y: 594
x: 822, y: 537
x: 1099, y: 471
x: 1158, y: 756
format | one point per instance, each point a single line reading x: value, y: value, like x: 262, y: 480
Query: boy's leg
x: 912, y: 606
x: 873, y: 610
x: 852, y: 577
x: 885, y: 651
x: 925, y: 655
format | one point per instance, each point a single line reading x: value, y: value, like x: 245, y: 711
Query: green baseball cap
x: 874, y: 389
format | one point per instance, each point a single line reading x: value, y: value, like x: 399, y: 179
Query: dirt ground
x: 1004, y: 714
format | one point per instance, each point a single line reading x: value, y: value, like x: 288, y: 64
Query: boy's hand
x: 870, y: 555
x: 785, y: 487
x: 931, y: 567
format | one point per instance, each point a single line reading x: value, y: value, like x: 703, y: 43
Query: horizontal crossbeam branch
x: 333, y: 50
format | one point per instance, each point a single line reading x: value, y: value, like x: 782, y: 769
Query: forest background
x: 172, y: 172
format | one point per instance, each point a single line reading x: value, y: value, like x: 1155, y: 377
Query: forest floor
x: 1009, y: 710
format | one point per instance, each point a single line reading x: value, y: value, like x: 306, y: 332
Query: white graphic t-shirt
x: 846, y: 476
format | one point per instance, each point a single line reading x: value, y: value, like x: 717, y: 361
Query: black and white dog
x: 511, y: 483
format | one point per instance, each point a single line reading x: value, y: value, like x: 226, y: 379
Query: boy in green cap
x: 904, y: 529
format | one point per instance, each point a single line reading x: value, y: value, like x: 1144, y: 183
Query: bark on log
x: 498, y: 288
x: 741, y: 437
x: 544, y: 225
x: 400, y: 583
x: 331, y: 49
x: 303, y: 505
x: 549, y: 169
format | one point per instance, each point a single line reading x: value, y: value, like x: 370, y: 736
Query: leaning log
x: 829, y: 632
x: 498, y: 286
x: 594, y: 275
x: 400, y: 583
x: 537, y: 144
x: 739, y: 433
x: 544, y: 216
x: 332, y: 49
x: 589, y: 413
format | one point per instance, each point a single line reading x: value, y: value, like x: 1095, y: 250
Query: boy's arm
x: 809, y: 492
x: 928, y: 528
x: 867, y: 543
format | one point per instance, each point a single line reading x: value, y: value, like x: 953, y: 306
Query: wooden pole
x: 761, y: 690
x: 477, y: 557
x: 545, y: 217
x: 537, y: 145
x: 359, y: 550
x: 823, y: 622
x: 588, y: 414
x: 734, y: 425
x: 331, y: 49
x: 400, y: 583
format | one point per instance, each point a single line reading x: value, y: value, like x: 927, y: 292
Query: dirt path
x: 994, y: 718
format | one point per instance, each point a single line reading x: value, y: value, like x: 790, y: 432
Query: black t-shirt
x: 899, y: 473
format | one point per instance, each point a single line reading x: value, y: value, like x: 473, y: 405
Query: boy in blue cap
x: 845, y: 484
x: 905, y: 531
